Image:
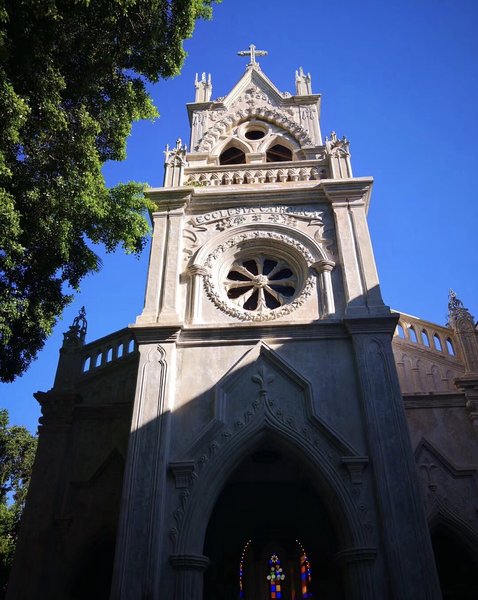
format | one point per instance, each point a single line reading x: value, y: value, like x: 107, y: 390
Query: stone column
x: 324, y: 269
x: 359, y: 580
x: 406, y: 541
x: 169, y: 292
x: 196, y: 272
x: 155, y: 268
x: 353, y: 284
x: 161, y: 298
x: 144, y: 486
x: 362, y: 290
x: 189, y: 575
x: 366, y: 258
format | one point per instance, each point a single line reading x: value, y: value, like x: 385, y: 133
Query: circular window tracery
x: 259, y: 275
x: 254, y: 134
x: 260, y: 283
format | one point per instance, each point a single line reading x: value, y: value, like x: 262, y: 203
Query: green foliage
x: 17, y: 453
x: 72, y: 81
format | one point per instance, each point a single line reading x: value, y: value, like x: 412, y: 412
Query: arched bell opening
x: 456, y: 561
x: 278, y: 153
x: 270, y: 535
x: 232, y: 156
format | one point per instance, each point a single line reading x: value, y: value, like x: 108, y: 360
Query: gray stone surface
x: 263, y: 376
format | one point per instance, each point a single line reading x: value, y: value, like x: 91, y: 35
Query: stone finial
x: 461, y: 321
x: 459, y: 317
x: 335, y: 145
x: 75, y: 336
x: 303, y: 83
x: 203, y: 88
x: 252, y: 52
x: 175, y: 156
x: 175, y: 161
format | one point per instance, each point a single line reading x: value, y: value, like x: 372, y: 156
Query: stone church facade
x: 268, y: 428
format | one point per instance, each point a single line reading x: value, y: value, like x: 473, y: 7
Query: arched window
x: 87, y: 364
x: 437, y: 342
x: 305, y: 573
x: 109, y: 355
x: 232, y: 156
x: 241, y: 569
x: 449, y: 347
x: 299, y: 574
x: 412, y: 334
x: 400, y: 331
x: 99, y: 358
x: 275, y: 577
x: 278, y: 153
x: 425, y: 339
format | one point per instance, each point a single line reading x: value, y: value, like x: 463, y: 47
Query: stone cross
x: 252, y: 52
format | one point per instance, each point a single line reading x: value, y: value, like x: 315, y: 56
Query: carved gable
x: 254, y: 97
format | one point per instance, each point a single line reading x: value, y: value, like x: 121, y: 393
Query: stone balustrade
x: 107, y: 350
x: 426, y: 335
x: 250, y: 173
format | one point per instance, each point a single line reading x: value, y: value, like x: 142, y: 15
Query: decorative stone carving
x: 175, y: 161
x: 303, y: 83
x: 76, y: 334
x: 203, y: 88
x: 215, y: 290
x: 463, y: 323
x: 355, y: 465
x: 252, y: 52
x: 264, y: 175
x: 447, y: 487
x: 273, y: 115
x: 182, y: 472
x: 335, y: 146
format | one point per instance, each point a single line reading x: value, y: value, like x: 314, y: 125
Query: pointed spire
x: 303, y: 83
x: 75, y: 336
x: 174, y: 163
x: 458, y: 315
x: 203, y: 88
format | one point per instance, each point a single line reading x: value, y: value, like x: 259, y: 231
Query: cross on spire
x: 252, y: 52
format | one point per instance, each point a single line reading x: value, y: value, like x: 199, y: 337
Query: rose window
x: 260, y: 283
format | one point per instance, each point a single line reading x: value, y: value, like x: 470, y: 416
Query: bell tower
x: 269, y: 454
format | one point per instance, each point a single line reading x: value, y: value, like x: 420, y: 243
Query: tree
x: 17, y: 453
x: 73, y: 78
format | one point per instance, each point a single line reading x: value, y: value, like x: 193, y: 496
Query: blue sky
x: 398, y: 78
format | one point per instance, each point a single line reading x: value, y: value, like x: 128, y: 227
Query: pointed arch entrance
x: 266, y: 515
x: 456, y: 558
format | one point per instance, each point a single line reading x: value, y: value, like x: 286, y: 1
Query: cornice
x: 240, y: 333
x: 369, y: 324
x: 277, y: 333
x: 333, y: 191
x: 149, y: 334
x: 169, y: 198
x: 436, y: 400
x: 348, y: 191
x: 254, y: 194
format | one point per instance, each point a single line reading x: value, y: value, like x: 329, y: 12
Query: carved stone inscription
x: 199, y: 227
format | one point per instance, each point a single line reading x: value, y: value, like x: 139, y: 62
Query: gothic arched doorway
x: 457, y: 567
x: 267, y: 509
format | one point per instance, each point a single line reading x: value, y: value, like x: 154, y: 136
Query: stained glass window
x: 275, y: 577
x: 305, y: 574
x: 241, y: 570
